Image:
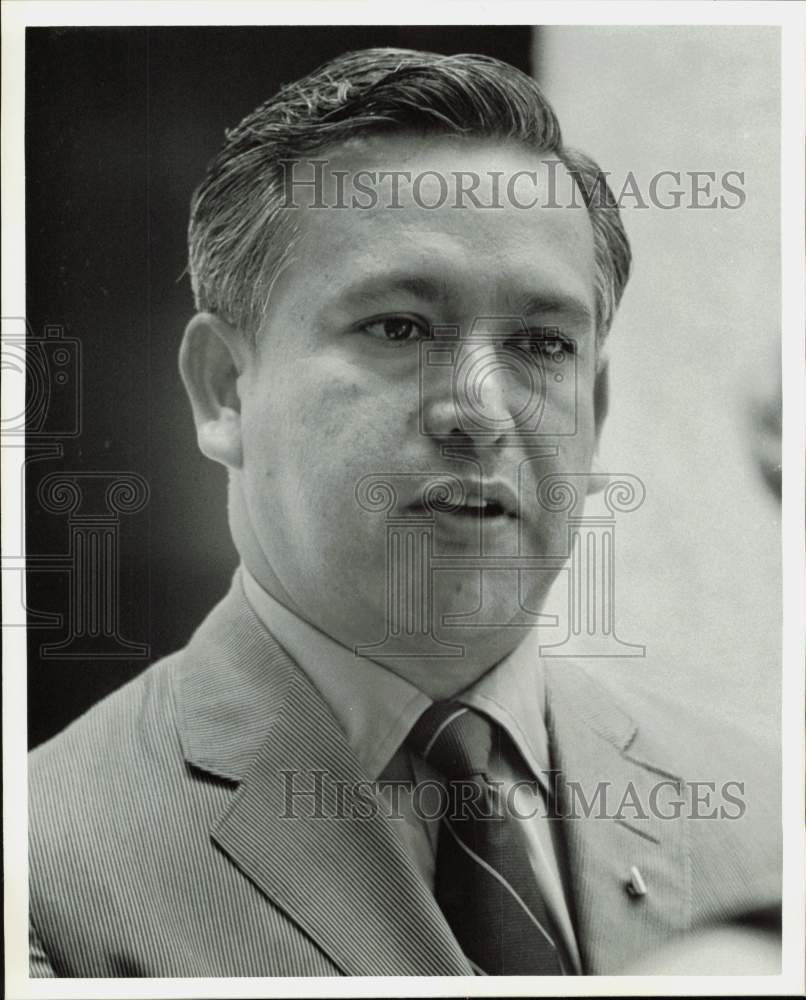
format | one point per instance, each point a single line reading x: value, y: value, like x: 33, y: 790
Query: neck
x: 444, y: 677
x: 465, y: 655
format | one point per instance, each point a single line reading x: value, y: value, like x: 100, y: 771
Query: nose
x: 475, y: 400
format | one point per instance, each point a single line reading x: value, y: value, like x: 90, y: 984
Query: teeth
x: 476, y: 502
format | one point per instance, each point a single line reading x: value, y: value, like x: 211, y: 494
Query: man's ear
x: 598, y: 480
x: 212, y: 356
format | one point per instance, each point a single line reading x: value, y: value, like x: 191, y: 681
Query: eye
x: 548, y: 348
x: 396, y: 329
x: 557, y: 346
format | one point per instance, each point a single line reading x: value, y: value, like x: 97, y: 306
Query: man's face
x: 343, y: 386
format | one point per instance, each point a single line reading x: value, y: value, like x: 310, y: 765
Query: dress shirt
x: 376, y: 708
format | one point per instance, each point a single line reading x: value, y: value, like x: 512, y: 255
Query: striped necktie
x: 484, y: 881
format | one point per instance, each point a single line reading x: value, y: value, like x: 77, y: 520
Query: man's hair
x: 239, y: 230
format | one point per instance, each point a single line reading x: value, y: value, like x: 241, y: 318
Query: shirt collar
x: 377, y: 709
x: 513, y: 694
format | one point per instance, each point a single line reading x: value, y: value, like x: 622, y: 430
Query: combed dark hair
x: 238, y: 231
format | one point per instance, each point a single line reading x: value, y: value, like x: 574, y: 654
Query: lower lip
x: 466, y: 519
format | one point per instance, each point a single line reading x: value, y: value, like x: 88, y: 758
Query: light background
x: 693, y: 347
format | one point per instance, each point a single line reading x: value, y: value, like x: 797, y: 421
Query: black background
x: 120, y: 123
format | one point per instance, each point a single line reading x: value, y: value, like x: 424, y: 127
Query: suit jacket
x: 162, y: 844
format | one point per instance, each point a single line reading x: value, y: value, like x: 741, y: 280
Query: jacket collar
x: 298, y: 825
x: 230, y: 686
x: 248, y: 714
x: 377, y: 708
x: 234, y: 675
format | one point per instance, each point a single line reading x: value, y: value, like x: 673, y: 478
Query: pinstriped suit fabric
x: 131, y: 860
x: 158, y: 845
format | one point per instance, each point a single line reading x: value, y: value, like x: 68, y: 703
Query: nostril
x: 459, y: 436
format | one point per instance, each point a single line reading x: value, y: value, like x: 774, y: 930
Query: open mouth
x: 486, y: 509
x: 470, y: 508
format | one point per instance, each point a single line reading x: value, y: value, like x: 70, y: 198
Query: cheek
x: 330, y: 408
x: 319, y: 439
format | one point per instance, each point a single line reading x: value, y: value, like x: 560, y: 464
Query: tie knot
x: 454, y: 738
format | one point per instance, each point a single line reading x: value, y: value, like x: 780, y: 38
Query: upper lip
x: 491, y: 492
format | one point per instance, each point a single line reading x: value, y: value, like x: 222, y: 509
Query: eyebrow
x: 573, y: 307
x: 368, y: 291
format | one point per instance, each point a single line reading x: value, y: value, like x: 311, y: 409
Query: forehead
x: 478, y: 219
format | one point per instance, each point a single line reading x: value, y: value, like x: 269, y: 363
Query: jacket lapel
x: 303, y: 825
x: 302, y: 828
x: 619, y: 817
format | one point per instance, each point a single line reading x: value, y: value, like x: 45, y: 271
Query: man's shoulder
x: 130, y: 729
x: 731, y: 768
x: 674, y: 735
x: 674, y: 762
x: 123, y: 806
x: 684, y: 732
x: 202, y: 711
x: 149, y: 722
x: 106, y: 795
x: 701, y: 737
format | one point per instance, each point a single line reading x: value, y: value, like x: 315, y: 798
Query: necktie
x: 484, y: 881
